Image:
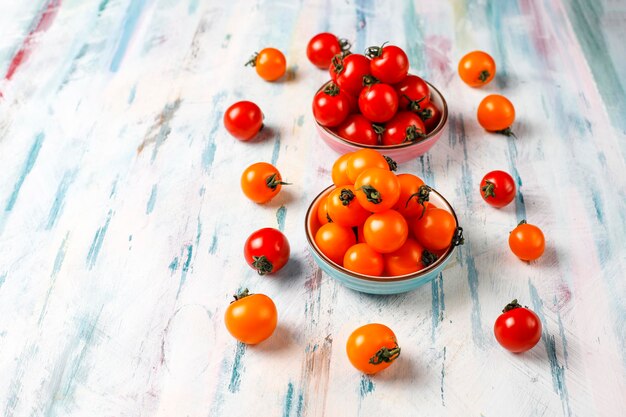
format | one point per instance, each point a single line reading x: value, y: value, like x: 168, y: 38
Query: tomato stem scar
x: 274, y: 181
x: 262, y: 265
x: 483, y: 76
x: 385, y: 355
x: 488, y: 189
x: 372, y: 194
x: 346, y: 196
x: 393, y: 165
x: 511, y: 306
x: 252, y: 61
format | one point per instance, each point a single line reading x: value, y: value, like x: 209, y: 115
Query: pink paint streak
x: 44, y: 22
x: 438, y: 54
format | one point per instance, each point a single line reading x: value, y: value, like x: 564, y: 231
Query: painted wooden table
x: 122, y: 223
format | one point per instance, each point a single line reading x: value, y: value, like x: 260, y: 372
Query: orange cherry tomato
x: 340, y: 171
x: 413, y: 200
x: 334, y: 240
x: 251, y: 318
x: 377, y: 189
x: 386, y: 231
x: 261, y: 182
x: 344, y: 208
x: 410, y: 258
x: 269, y: 63
x: 477, y: 68
x: 496, y: 114
x: 322, y: 211
x: 364, y: 159
x: 527, y: 241
x: 435, y: 229
x: 362, y: 259
x: 372, y: 348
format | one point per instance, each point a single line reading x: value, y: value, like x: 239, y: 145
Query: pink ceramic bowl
x: 402, y: 152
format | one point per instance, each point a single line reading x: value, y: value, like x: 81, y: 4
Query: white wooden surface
x: 122, y: 223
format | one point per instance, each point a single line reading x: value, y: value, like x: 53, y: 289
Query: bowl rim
x: 339, y: 268
x: 431, y: 135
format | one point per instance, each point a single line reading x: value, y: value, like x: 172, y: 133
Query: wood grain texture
x: 122, y: 223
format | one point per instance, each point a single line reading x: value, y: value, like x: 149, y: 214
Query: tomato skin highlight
x: 243, y: 120
x: 261, y: 182
x: 334, y: 240
x: 405, y: 260
x: 356, y: 128
x: 377, y: 189
x: 497, y: 188
x: 366, y: 343
x: 386, y: 231
x: 267, y: 250
x: 322, y: 48
x: 363, y: 259
x: 477, y: 68
x: 496, y: 113
x: 331, y: 106
x: 251, y: 319
x: 435, y: 229
x: 378, y: 102
x: 350, y: 72
x: 269, y: 63
x: 527, y: 241
x: 396, y: 129
x: 344, y: 208
x: 362, y: 160
x: 517, y: 329
x: 391, y: 66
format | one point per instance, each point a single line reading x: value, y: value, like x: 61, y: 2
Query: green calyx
x: 428, y: 258
x: 337, y: 63
x: 242, y: 294
x: 393, y: 165
x: 457, y: 238
x: 375, y: 51
x: 274, y: 181
x: 331, y: 89
x: 371, y: 193
x: 385, y: 355
x: 413, y: 134
x: 252, y: 61
x: 488, y: 189
x: 506, y: 132
x: 369, y: 80
x: 422, y: 195
x: 345, y: 45
x: 483, y: 76
x: 346, y: 196
x: 262, y: 265
x: 511, y: 306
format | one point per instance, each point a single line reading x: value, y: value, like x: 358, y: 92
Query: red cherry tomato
x: 348, y: 72
x: 243, y: 120
x: 356, y: 128
x: 378, y: 102
x: 497, y: 188
x: 431, y: 116
x: 405, y: 126
x: 518, y: 328
x: 388, y: 63
x: 415, y: 89
x: 266, y: 250
x: 331, y: 106
x: 323, y: 47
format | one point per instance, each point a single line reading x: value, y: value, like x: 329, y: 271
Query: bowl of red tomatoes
x: 373, y: 102
x: 380, y: 232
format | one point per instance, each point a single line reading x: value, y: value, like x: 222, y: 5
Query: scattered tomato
x: 496, y: 114
x: 331, y: 106
x: 518, y: 328
x: 344, y: 208
x: 477, y: 68
x: 386, y: 231
x: 372, y: 348
x: 362, y: 259
x: 435, y: 229
x: 356, y: 128
x: 334, y: 240
x: 497, y: 188
x: 323, y: 47
x: 405, y: 126
x: 388, y: 63
x: 269, y: 63
x: 251, y: 318
x: 267, y: 250
x: 261, y: 182
x: 348, y: 72
x: 377, y: 189
x: 527, y: 241
x: 243, y: 120
x: 378, y: 102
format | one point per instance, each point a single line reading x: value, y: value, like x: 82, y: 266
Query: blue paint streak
x: 557, y: 370
x: 28, y: 166
x: 166, y: 116
x: 59, y: 198
x: 562, y: 333
x: 443, y: 375
x: 300, y: 405
x: 281, y: 213
x: 597, y: 204
x: 56, y: 267
x: 276, y: 150
x: 114, y: 187
x: 288, y: 400
x: 198, y: 231
x: 235, y: 377
x: 3, y: 278
x: 151, y: 200
x: 361, y: 23
x: 96, y: 244
x: 414, y: 33
x: 438, y: 304
x: 300, y: 120
x: 132, y: 94
x: 185, y: 269
x: 213, y: 246
x: 366, y: 386
x: 208, y: 155
x: 472, y: 279
x: 130, y: 22
x: 174, y: 265
x: 520, y: 207
x: 193, y: 6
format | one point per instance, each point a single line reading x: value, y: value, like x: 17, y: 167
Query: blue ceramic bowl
x: 367, y: 283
